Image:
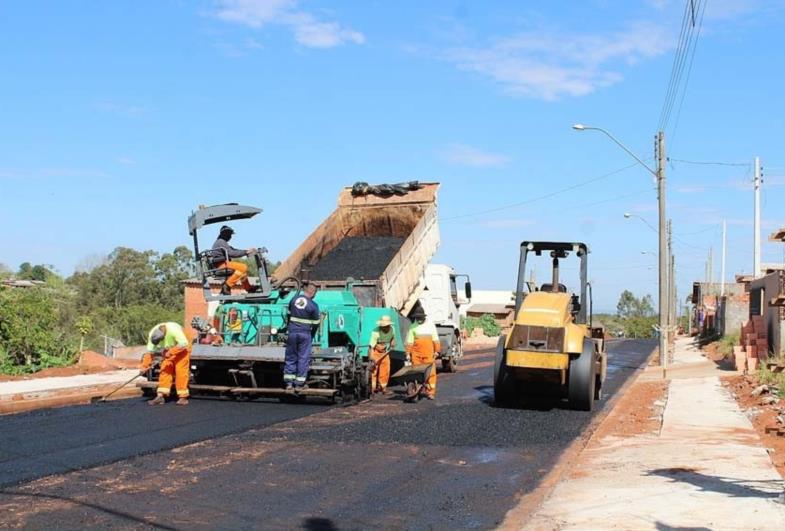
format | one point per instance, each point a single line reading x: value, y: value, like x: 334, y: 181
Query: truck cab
x: 441, y: 301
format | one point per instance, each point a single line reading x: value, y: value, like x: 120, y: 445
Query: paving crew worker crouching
x: 221, y: 259
x: 169, y: 341
x: 381, y: 343
x: 303, y: 323
x: 422, y: 344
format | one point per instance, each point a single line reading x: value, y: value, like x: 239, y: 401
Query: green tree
x: 171, y: 270
x: 35, y: 332
x: 486, y: 322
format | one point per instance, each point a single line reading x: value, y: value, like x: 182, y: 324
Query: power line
x: 709, y: 163
x: 683, y: 58
x: 685, y: 35
x: 541, y: 197
x: 689, y: 70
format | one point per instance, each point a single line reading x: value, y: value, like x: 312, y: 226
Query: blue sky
x: 120, y: 117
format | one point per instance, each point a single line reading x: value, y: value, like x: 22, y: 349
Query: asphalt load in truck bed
x: 358, y: 257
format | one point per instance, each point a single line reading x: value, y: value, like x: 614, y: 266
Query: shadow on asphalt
x: 319, y: 524
x: 536, y: 401
x: 106, y: 510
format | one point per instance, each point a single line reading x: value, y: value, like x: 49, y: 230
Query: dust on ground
x: 761, y: 415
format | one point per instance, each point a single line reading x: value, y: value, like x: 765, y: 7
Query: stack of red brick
x: 754, y: 348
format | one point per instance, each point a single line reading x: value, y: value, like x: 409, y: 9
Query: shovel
x: 96, y: 399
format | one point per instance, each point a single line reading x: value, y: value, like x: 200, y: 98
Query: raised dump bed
x: 383, y: 243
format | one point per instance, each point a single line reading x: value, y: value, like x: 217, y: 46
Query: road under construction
x: 458, y: 462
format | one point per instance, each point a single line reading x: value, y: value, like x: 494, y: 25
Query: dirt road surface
x: 456, y: 462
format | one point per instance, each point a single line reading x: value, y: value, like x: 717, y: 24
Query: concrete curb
x: 530, y: 502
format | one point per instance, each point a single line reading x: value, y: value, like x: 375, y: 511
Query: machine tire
x: 582, y: 379
x: 448, y: 365
x: 503, y: 391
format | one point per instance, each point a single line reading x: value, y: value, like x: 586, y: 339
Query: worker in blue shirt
x: 303, y: 323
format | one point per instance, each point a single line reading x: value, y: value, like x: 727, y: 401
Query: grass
x: 726, y: 343
x: 765, y: 376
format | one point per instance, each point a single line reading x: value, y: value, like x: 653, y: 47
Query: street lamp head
x: 627, y: 215
x: 579, y: 127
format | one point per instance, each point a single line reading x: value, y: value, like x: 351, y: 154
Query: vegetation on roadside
x: 634, y: 318
x: 726, y: 343
x: 486, y: 322
x: 120, y: 296
x: 766, y: 376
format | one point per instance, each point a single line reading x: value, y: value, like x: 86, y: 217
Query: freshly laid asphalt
x: 457, y: 462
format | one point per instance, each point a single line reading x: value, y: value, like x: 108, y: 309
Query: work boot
x: 157, y: 401
x: 289, y: 388
x: 226, y: 290
x: 252, y: 289
x: 430, y: 397
x: 385, y: 391
x: 303, y: 387
x: 182, y: 401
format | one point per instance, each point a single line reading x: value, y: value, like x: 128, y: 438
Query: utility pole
x: 724, y: 249
x: 711, y: 269
x: 671, y: 300
x: 659, y: 151
x: 756, y: 224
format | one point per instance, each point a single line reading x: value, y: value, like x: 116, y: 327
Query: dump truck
x: 367, y: 259
x: 441, y: 301
x: 552, y: 341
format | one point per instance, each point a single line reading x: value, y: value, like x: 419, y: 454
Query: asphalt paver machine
x: 552, y: 341
x: 240, y: 352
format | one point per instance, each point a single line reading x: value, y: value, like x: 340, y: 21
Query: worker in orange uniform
x: 422, y: 345
x: 168, y: 341
x: 221, y: 258
x: 381, y: 344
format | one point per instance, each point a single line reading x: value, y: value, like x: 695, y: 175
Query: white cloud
x: 549, y: 66
x: 308, y: 30
x: 464, y: 155
x: 126, y: 161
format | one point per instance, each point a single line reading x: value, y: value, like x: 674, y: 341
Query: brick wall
x: 195, y: 305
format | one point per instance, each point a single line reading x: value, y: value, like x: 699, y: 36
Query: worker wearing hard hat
x: 221, y: 258
x: 168, y: 341
x: 422, y: 344
x: 380, y: 345
x: 304, y: 321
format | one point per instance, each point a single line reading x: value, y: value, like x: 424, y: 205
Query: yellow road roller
x: 552, y: 343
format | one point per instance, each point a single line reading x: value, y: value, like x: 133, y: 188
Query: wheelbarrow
x: 413, y: 378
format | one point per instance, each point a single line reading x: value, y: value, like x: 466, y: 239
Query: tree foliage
x: 121, y: 296
x: 486, y: 322
x: 35, y: 329
x: 636, y: 315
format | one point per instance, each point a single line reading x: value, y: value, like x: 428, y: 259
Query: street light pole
x: 664, y: 287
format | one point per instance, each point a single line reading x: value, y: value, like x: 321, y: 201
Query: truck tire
x: 503, y: 390
x: 582, y: 379
x: 448, y: 364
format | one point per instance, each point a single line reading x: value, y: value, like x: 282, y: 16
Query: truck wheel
x: 503, y: 392
x: 582, y: 379
x: 448, y: 365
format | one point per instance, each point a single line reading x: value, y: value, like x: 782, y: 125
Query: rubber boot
x: 182, y: 402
